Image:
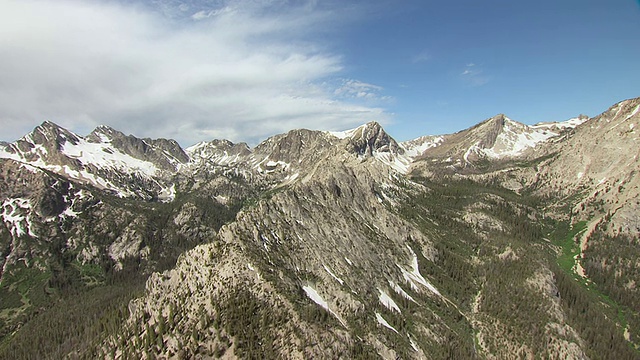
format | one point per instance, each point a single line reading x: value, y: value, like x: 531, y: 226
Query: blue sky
x: 451, y: 64
x: 243, y: 70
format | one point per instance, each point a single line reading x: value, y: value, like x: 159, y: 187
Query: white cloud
x: 421, y: 57
x: 355, y: 89
x: 474, y: 76
x: 241, y: 70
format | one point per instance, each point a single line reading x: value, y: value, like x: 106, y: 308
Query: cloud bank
x: 240, y: 70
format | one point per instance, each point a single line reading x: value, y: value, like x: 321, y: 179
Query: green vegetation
x: 501, y: 275
x: 76, y: 322
x: 22, y: 290
x: 489, y: 259
x: 610, y: 262
x: 602, y: 298
x: 566, y: 237
x: 251, y: 323
x: 55, y: 278
x: 594, y: 320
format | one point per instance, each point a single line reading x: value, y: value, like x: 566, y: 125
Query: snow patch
x: 517, y: 138
x: 68, y: 212
x: 413, y: 344
x: 168, y: 194
x: 271, y: 166
x: 105, y: 156
x: 473, y: 148
x: 15, y: 215
x: 417, y: 147
x: 411, y: 150
x: 316, y: 298
x: 332, y: 274
x: 384, y: 322
x: 414, y: 275
x: 399, y: 163
x: 401, y: 291
x: 568, y: 124
x: 635, y: 111
x: 343, y: 134
x: 387, y: 301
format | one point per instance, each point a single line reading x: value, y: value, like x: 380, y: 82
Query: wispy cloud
x: 355, y: 89
x: 242, y: 69
x: 421, y: 57
x: 473, y: 75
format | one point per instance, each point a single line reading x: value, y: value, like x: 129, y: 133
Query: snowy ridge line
x: 633, y: 113
x: 568, y: 124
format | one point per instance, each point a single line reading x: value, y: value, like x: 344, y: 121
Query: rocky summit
x: 500, y: 241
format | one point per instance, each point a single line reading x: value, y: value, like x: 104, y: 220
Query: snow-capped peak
x: 416, y: 147
x: 355, y: 132
x: 515, y: 138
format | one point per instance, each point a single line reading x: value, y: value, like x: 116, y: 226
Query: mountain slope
x: 489, y: 144
x: 481, y: 244
x: 106, y: 159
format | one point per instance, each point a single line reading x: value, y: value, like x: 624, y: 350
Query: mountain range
x: 500, y: 241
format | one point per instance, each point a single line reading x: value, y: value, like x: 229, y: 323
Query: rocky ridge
x: 343, y: 244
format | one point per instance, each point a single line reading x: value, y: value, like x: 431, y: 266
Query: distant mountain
x: 491, y: 142
x: 106, y: 159
x: 500, y: 241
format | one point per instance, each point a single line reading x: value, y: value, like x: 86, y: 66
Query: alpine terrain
x: 501, y: 241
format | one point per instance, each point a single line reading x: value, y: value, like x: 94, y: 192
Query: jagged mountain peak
x: 218, y: 144
x: 293, y: 139
x: 489, y: 129
x: 494, y: 139
x: 218, y: 152
x: 104, y: 133
x: 51, y: 134
x: 49, y: 126
x: 140, y: 148
x: 499, y: 119
x: 297, y: 149
x: 371, y: 138
x: 106, y: 159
